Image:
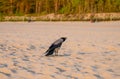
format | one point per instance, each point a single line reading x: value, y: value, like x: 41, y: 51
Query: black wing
x: 52, y: 48
x: 50, y: 51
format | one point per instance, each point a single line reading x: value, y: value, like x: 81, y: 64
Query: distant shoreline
x: 65, y: 17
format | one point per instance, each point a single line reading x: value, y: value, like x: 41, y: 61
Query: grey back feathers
x: 58, y: 41
x: 62, y: 39
x: 55, y: 46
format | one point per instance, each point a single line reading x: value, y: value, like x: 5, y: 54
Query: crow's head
x: 64, y: 38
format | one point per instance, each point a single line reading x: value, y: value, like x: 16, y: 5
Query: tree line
x: 23, y: 7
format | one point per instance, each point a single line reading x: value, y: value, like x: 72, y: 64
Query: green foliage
x: 23, y: 7
x: 1, y: 16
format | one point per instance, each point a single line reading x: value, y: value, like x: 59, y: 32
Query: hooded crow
x: 55, y: 46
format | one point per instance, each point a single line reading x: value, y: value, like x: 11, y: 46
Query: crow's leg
x: 56, y: 51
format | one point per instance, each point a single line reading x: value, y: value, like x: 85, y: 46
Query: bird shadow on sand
x: 64, y: 55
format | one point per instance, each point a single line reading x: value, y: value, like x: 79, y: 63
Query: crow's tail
x: 50, y: 53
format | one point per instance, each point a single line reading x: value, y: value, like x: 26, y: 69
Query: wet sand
x: 92, y: 50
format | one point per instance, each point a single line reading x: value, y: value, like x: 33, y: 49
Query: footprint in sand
x: 53, y: 76
x: 42, y: 47
x: 3, y: 47
x: 98, y: 76
x: 25, y: 58
x: 60, y: 70
x: 118, y: 44
x: 27, y: 69
x: 70, y: 77
x: 6, y: 74
x: 15, y: 62
x: 93, y: 45
x: 13, y: 70
x: 31, y: 47
x: 4, y: 71
x: 94, y: 68
x: 3, y: 65
x: 82, y: 53
x: 78, y: 45
x: 79, y: 58
x: 13, y: 54
x: 110, y: 70
x: 77, y: 67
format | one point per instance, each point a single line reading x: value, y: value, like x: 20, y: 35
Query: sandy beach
x: 91, y: 51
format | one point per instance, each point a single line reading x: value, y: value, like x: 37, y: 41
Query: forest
x: 59, y: 10
x: 22, y: 7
